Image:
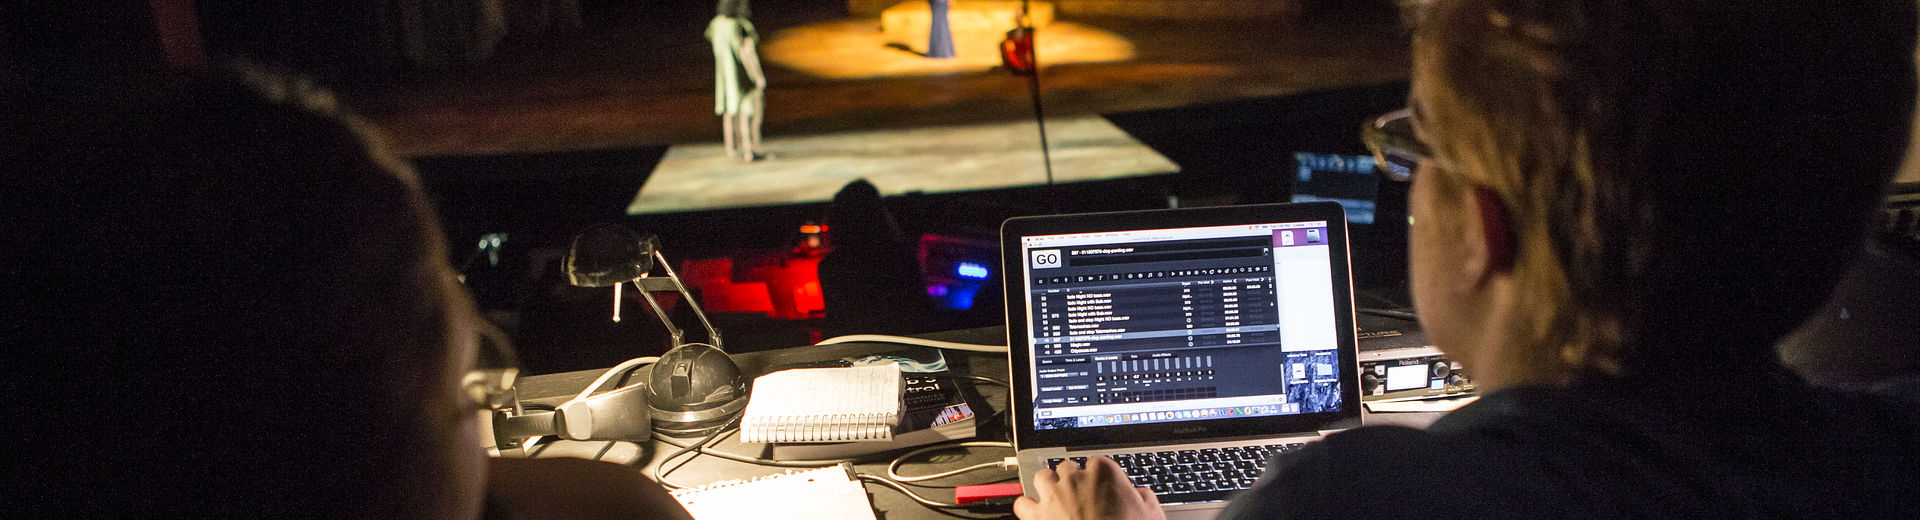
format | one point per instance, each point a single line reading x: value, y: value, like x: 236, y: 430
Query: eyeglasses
x: 1395, y: 147
x: 495, y: 367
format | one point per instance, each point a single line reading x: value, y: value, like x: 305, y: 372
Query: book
x: 857, y: 403
x: 828, y: 493
x: 935, y: 409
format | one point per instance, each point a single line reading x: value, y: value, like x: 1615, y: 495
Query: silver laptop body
x: 1191, y: 345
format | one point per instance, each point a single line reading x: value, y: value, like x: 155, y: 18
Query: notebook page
x: 824, y: 405
x: 815, y: 494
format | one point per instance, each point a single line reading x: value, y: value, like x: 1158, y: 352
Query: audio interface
x: 1410, y: 373
x: 1397, y: 362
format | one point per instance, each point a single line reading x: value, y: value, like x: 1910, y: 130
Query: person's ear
x: 1496, y: 230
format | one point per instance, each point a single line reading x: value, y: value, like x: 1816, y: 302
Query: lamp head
x: 605, y: 255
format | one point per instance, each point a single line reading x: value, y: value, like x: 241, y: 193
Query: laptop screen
x: 1183, y: 324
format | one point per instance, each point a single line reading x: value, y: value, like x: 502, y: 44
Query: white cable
x: 879, y: 338
x: 892, y: 467
x: 621, y: 368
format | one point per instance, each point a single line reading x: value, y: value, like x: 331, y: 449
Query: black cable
x: 750, y: 460
x: 661, y: 470
x: 908, y: 492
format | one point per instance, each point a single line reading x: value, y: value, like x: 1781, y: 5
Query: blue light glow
x: 971, y: 270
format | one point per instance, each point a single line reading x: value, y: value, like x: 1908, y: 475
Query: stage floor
x: 935, y: 159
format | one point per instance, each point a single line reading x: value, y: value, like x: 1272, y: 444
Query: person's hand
x: 1100, y: 491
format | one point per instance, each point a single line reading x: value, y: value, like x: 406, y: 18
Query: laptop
x: 1190, y: 345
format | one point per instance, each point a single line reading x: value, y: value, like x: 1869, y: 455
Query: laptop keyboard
x: 1179, y: 476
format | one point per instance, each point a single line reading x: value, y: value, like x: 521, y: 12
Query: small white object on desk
x: 1420, y: 405
x: 823, y: 493
x: 824, y: 405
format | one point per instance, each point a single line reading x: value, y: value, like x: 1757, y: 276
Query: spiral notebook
x: 846, y: 404
x: 816, y: 494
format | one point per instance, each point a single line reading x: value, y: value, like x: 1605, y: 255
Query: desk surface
x: 554, y: 388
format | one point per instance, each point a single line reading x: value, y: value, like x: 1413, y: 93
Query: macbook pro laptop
x: 1190, y: 345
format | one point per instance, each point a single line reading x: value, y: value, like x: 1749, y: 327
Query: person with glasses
x: 225, y: 299
x: 1617, y: 208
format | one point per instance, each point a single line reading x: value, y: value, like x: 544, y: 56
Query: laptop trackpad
x: 1196, y: 513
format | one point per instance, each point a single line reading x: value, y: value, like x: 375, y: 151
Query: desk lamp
x: 694, y: 389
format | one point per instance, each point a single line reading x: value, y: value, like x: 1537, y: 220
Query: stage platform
x: 940, y: 159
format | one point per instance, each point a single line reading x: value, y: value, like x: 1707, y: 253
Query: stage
x: 852, y: 49
x: 933, y: 159
x: 651, y: 83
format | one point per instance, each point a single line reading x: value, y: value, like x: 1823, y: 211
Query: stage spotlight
x: 856, y: 49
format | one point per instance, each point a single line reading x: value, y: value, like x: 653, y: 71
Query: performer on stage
x: 740, y: 105
x: 939, y: 35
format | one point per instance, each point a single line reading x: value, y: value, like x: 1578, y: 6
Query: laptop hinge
x: 1103, y: 447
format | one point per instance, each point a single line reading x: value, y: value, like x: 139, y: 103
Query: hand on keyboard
x: 1199, y: 475
x: 1098, y: 491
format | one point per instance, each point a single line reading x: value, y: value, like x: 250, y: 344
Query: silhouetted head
x: 235, y: 304
x: 859, y: 218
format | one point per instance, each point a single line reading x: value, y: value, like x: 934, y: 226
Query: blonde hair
x: 1527, y: 150
x: 1632, y: 143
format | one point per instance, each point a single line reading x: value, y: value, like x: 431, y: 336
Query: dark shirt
x: 1715, y: 444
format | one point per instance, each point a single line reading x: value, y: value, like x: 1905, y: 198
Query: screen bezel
x: 1020, y: 353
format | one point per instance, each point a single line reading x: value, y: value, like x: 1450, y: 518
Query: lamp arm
x: 713, y: 334
x: 678, y: 335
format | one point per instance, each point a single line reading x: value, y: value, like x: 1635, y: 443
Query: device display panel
x: 1237, y: 323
